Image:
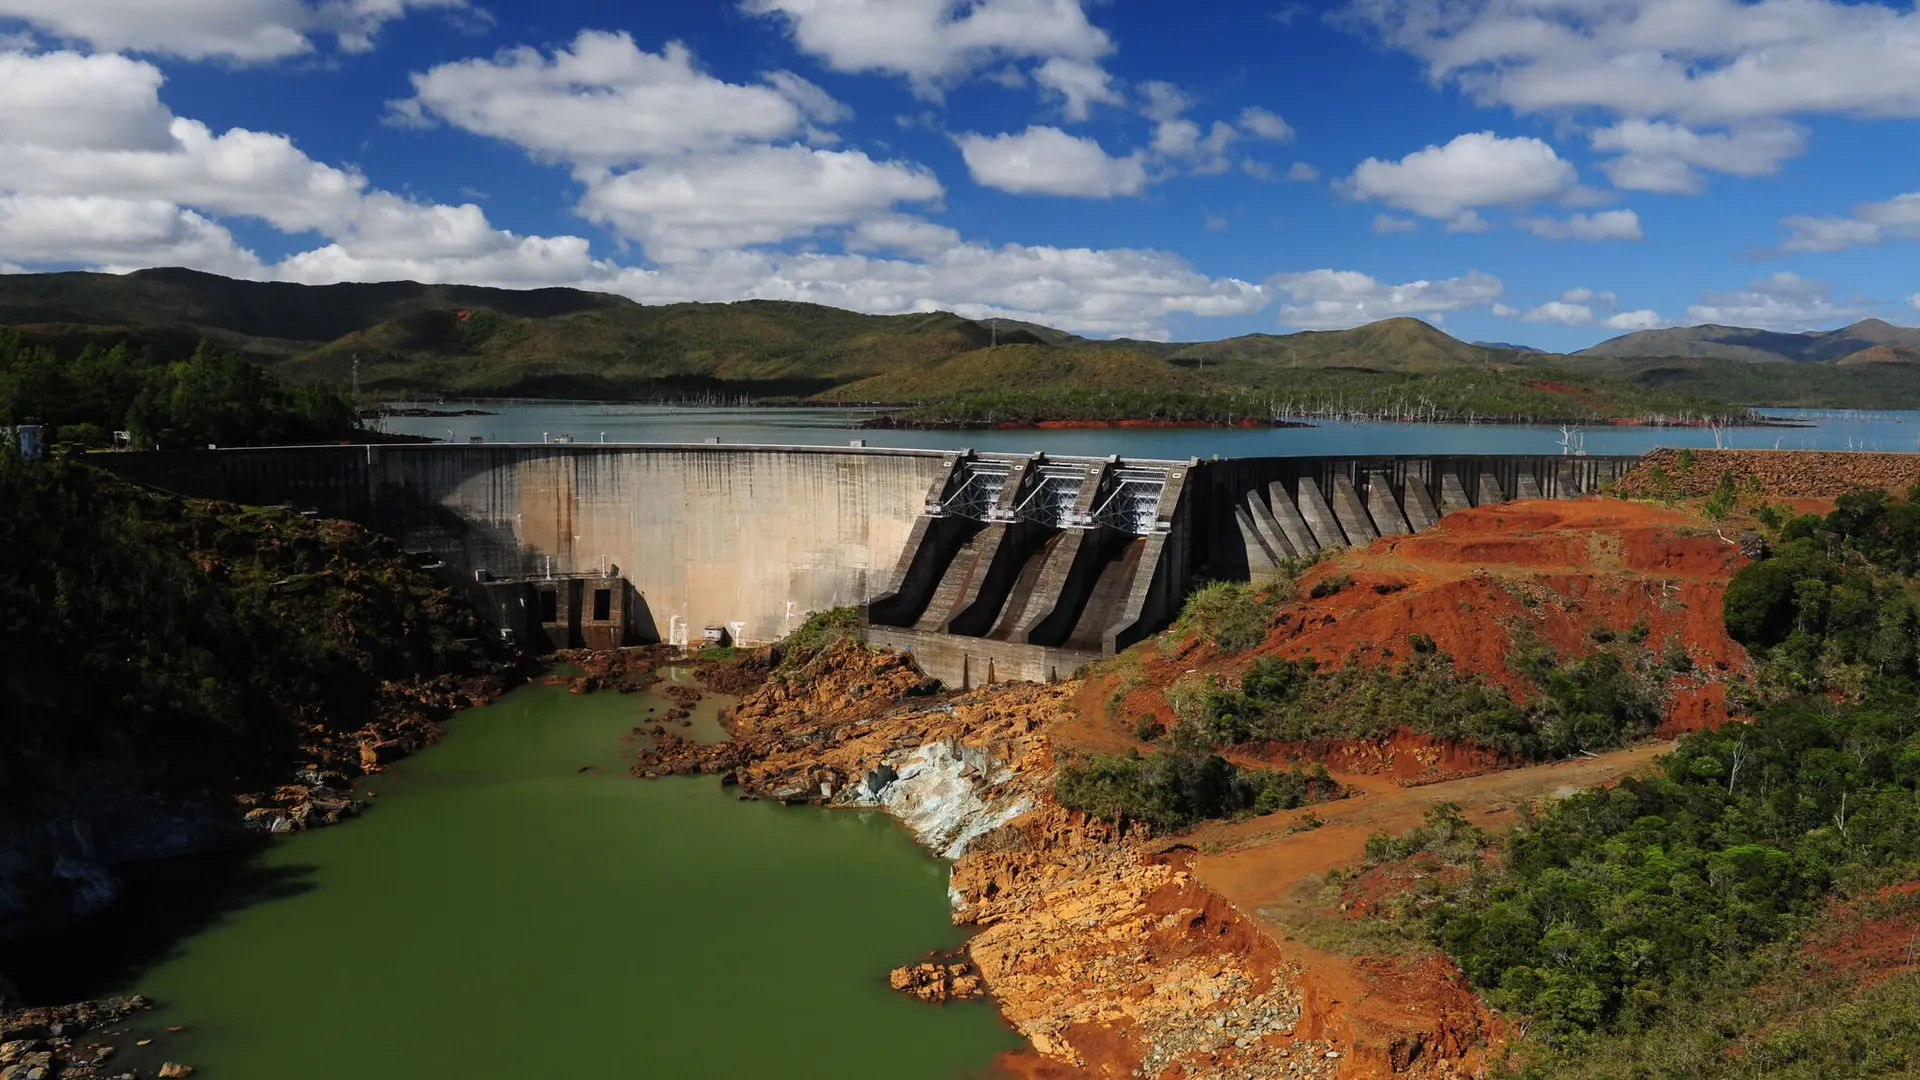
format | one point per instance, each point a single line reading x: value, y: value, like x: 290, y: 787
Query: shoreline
x: 886, y: 423
x: 1063, y: 910
x: 420, y: 407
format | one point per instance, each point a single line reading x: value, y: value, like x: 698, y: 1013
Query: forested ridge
x: 208, y: 396
x: 1647, y: 929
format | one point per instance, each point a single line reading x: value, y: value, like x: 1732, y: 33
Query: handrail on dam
x: 986, y: 565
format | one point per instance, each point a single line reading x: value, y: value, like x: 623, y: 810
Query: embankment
x: 1781, y: 474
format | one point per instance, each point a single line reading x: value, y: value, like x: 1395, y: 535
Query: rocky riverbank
x: 74, y: 1042
x: 1070, y: 916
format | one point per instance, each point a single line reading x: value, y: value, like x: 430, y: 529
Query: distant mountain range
x: 408, y: 338
x: 1867, y: 341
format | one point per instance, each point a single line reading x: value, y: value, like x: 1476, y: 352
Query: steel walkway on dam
x: 986, y: 565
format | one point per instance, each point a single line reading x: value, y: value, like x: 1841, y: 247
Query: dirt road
x: 1395, y: 1014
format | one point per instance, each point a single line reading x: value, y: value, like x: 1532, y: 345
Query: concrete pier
x: 1319, y: 516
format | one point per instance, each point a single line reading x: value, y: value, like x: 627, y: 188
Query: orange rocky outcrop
x: 1111, y: 960
x: 1117, y: 961
x: 948, y: 980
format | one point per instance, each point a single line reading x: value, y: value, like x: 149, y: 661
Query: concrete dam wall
x: 985, y: 566
x: 747, y: 539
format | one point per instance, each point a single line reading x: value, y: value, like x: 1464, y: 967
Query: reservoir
x: 500, y: 913
x: 611, y: 422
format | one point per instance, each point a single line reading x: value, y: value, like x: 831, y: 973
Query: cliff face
x: 179, y: 673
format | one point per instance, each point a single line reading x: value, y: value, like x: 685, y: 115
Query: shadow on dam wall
x: 985, y: 566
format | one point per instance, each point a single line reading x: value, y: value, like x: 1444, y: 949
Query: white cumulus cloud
x: 1337, y: 299
x: 1897, y: 218
x: 1581, y: 306
x: 1665, y: 157
x: 1206, y: 150
x: 160, y: 179
x: 1079, y: 85
x: 1559, y: 311
x: 1262, y: 124
x: 1303, y: 172
x: 1387, y: 223
x: 1048, y: 161
x: 1479, y: 169
x: 247, y: 30
x: 1605, y: 225
x: 94, y: 230
x: 1698, y: 62
x: 1643, y: 319
x: 931, y: 42
x: 762, y: 195
x: 1783, y: 301
x: 1588, y: 296
x: 64, y: 100
x: 603, y: 102
x: 1116, y: 292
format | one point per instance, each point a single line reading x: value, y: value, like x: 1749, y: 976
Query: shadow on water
x: 161, y: 905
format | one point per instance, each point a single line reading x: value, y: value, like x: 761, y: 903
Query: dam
x: 986, y: 566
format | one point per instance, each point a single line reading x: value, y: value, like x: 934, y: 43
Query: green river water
x: 500, y: 913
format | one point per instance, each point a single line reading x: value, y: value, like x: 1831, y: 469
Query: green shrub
x: 1176, y: 789
x: 1594, y: 703
x: 1723, y: 499
x: 1445, y: 833
x: 821, y: 630
x: 1763, y: 601
x: 1233, y: 615
x: 1328, y: 586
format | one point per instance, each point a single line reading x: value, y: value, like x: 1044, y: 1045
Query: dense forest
x: 209, y: 396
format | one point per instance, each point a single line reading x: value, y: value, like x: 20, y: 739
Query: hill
x: 409, y: 339
x: 1879, y: 378
x: 1741, y: 343
x: 762, y: 347
x: 1032, y: 368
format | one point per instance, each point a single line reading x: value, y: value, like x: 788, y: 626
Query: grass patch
x: 1313, y: 916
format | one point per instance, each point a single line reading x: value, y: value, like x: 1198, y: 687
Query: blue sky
x: 1550, y: 173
